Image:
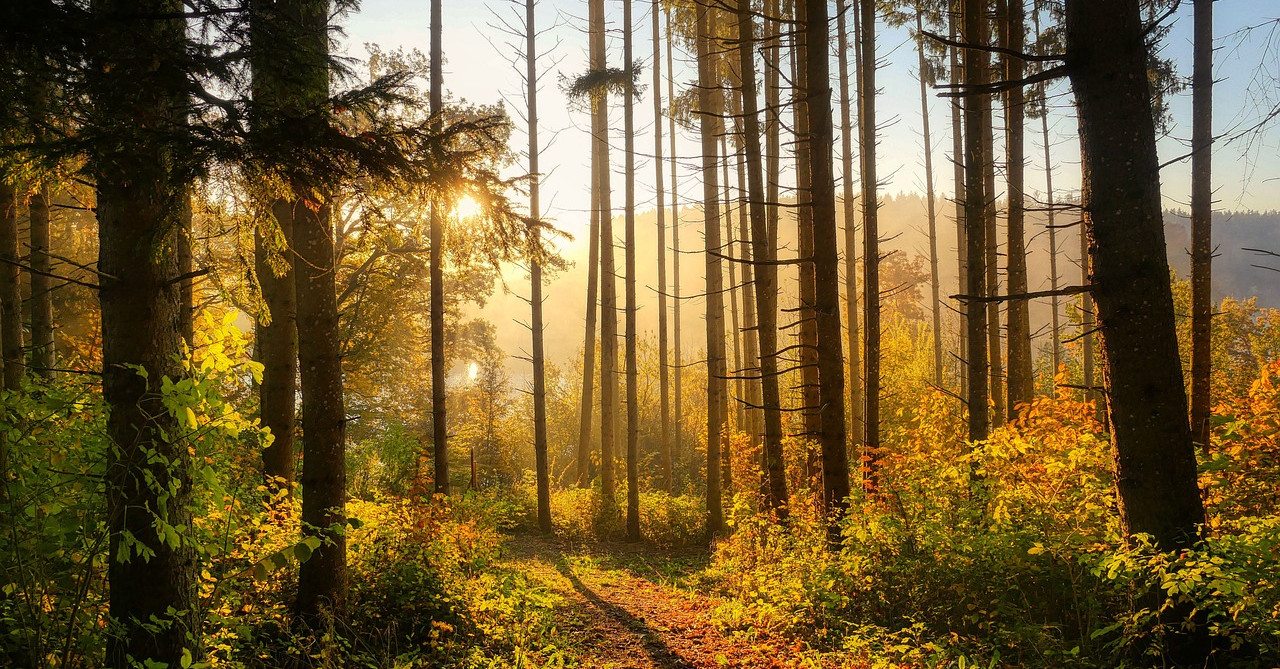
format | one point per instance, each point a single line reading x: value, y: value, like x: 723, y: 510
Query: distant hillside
x: 1236, y: 272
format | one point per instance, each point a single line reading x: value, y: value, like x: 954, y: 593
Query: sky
x: 479, y: 67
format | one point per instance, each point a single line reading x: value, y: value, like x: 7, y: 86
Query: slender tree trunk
x: 608, y: 271
x: 148, y: 476
x: 542, y: 470
x: 1201, y: 221
x: 772, y: 123
x: 10, y: 289
x: 709, y: 128
x: 1021, y: 381
x: 992, y: 267
x: 1087, y: 328
x: 677, y: 387
x: 870, y: 235
x: 931, y: 205
x: 42, y: 346
x: 1055, y: 320
x: 734, y: 293
x: 856, y: 406
x: 958, y: 196
x: 439, y: 366
x: 808, y: 350
x: 766, y: 274
x: 587, y: 403
x: 826, y: 258
x: 664, y: 370
x: 277, y: 348
x: 633, y: 375
x: 977, y: 109
x: 750, y: 334
x: 186, y: 263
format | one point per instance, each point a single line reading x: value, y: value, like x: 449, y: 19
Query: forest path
x: 620, y: 610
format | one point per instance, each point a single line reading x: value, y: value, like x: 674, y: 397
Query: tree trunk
x: 992, y: 267
x: 10, y: 289
x: 1055, y: 320
x: 710, y: 128
x: 186, y: 263
x: 633, y: 374
x: 608, y: 270
x: 677, y: 389
x: 542, y: 470
x: 42, y: 346
x: 439, y: 366
x: 958, y: 195
x: 826, y: 258
x: 766, y: 274
x: 870, y: 236
x: 1021, y: 381
x: 773, y: 123
x: 856, y: 405
x: 808, y: 341
x: 277, y: 348
x: 587, y: 403
x: 977, y: 109
x: 664, y: 370
x: 930, y: 205
x: 754, y: 425
x: 1201, y: 221
x: 148, y: 471
x: 734, y: 293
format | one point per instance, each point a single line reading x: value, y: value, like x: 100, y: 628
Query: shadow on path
x: 658, y: 651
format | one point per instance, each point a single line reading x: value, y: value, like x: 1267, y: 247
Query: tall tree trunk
x: 277, y: 347
x: 992, y: 267
x: 677, y: 387
x: 826, y: 258
x: 542, y: 469
x: 977, y: 108
x: 808, y: 342
x: 1156, y: 483
x: 1021, y: 380
x: 439, y: 367
x: 1088, y: 325
x: 322, y: 579
x: 608, y: 270
x: 664, y: 370
x: 766, y: 273
x: 1201, y: 220
x: 10, y: 289
x: 856, y: 405
x: 42, y: 347
x: 750, y: 335
x: 870, y: 234
x: 148, y: 471
x: 709, y: 128
x: 1056, y: 302
x: 958, y: 196
x: 930, y: 205
x: 734, y: 293
x: 587, y: 402
x: 633, y: 374
x: 772, y: 122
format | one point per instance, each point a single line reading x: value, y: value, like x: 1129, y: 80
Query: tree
x: 42, y: 349
x: 856, y: 406
x: 608, y: 270
x: 1021, y: 381
x: 664, y: 370
x: 439, y: 366
x: 1201, y: 220
x: 677, y: 385
x: 140, y: 170
x: 808, y: 326
x: 709, y: 128
x: 766, y: 273
x: 542, y: 471
x: 870, y: 234
x: 976, y: 155
x: 826, y: 261
x: 629, y: 171
x: 10, y: 288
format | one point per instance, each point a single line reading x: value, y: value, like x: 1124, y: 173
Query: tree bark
x: 42, y: 346
x: 1055, y: 320
x: 870, y: 237
x: 439, y: 366
x: 541, y: 467
x: 587, y: 402
x: 10, y: 289
x: 1021, y: 381
x: 977, y: 109
x: 989, y: 216
x: 826, y: 259
x: 709, y: 127
x: 856, y: 405
x: 608, y: 270
x: 664, y: 370
x: 148, y: 471
x: 1201, y: 221
x: 677, y: 389
x: 808, y: 341
x: 766, y: 274
x: 734, y: 293
x: 958, y: 195
x: 633, y: 374
x: 277, y: 349
x: 931, y: 206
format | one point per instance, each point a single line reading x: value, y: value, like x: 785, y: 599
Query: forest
x: 785, y: 334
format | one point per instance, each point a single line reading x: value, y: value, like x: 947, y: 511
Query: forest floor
x: 625, y: 606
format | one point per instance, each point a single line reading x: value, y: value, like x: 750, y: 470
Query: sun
x: 467, y: 207
x: 473, y: 370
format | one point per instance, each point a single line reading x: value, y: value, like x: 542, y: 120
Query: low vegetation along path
x: 619, y: 609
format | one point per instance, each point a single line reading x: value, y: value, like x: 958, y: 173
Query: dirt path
x: 618, y: 617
